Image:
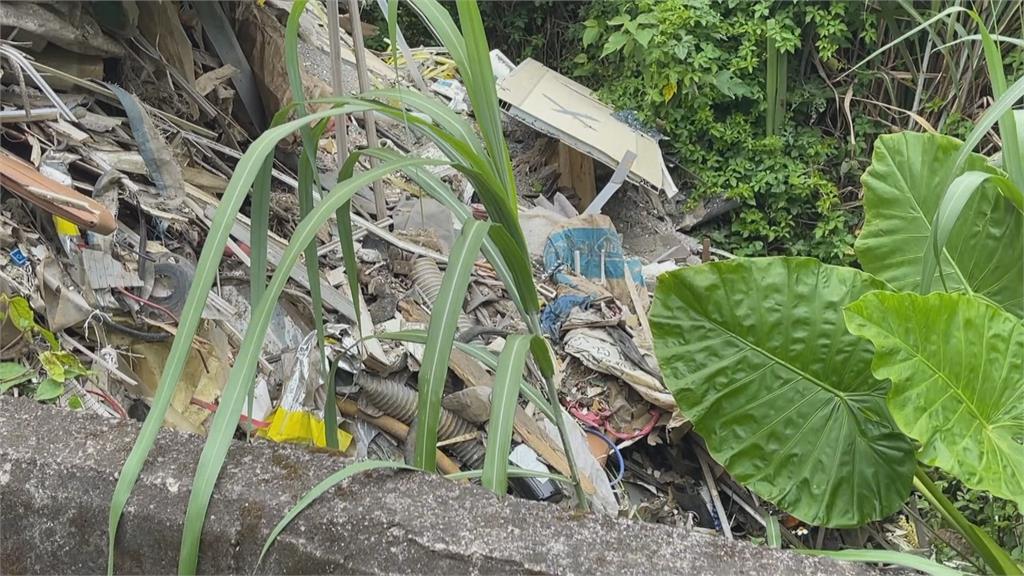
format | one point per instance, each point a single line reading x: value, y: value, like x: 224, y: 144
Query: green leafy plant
x: 739, y: 341
x: 56, y: 364
x: 778, y: 388
x: 712, y: 77
x: 483, y: 159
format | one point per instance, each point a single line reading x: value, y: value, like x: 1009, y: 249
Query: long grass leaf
x: 773, y: 531
x: 444, y: 29
x: 1013, y: 163
x: 307, y: 175
x: 992, y: 115
x: 504, y: 401
x: 772, y: 88
x: 438, y: 190
x: 442, y: 115
x: 259, y: 230
x: 976, y: 37
x: 922, y: 26
x: 484, y: 96
x: 956, y: 197
x: 234, y: 194
x: 887, y: 557
x: 509, y: 240
x: 440, y: 336
x: 318, y: 490
x: 226, y: 418
x: 482, y: 355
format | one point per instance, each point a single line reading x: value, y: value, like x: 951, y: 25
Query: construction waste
x: 121, y: 124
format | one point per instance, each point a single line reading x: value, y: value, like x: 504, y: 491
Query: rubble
x: 115, y: 176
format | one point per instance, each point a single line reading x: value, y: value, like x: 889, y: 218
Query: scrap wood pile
x: 121, y: 125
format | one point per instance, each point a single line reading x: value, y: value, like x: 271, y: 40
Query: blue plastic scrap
x: 560, y: 255
x: 555, y: 314
x: 18, y: 257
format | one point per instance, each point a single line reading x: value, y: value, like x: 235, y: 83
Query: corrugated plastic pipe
x: 399, y: 401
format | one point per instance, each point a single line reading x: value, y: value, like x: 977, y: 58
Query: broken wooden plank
x: 577, y: 173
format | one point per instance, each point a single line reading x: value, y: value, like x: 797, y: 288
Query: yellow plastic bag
x: 300, y: 427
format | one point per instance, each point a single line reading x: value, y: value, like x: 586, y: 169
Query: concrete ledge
x: 58, y: 470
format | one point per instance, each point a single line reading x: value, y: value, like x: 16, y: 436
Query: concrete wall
x: 58, y: 470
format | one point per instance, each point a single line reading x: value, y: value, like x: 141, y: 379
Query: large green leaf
x: 903, y: 189
x: 956, y: 363
x: 757, y: 356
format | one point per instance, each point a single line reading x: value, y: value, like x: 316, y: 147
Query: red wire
x: 153, y: 305
x: 110, y: 400
x: 213, y: 408
x: 598, y: 421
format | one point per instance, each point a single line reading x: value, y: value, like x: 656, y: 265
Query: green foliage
x: 697, y: 71
x: 955, y: 360
x: 756, y: 355
x: 57, y: 364
x: 956, y: 364
x: 1002, y: 518
x: 12, y: 374
x: 901, y: 200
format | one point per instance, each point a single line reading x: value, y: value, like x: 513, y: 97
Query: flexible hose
x: 399, y: 401
x: 427, y: 277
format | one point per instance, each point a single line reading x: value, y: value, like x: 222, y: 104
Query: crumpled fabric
x: 554, y: 314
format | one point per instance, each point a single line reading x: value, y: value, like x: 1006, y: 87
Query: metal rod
x: 369, y: 119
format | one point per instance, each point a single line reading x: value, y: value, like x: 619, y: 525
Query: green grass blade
x: 440, y: 336
x: 259, y: 229
x: 226, y: 418
x: 517, y: 256
x: 1013, y: 163
x: 993, y: 115
x: 439, y: 191
x: 544, y: 357
x: 482, y: 355
x: 444, y: 29
x: 513, y: 472
x: 234, y: 194
x: 483, y: 94
x: 772, y: 88
x: 307, y: 173
x: 887, y: 557
x: 925, y: 25
x: 504, y: 401
x: 442, y: 115
x: 953, y: 202
x: 994, y: 556
x: 318, y: 490
x: 773, y: 531
x: 976, y: 37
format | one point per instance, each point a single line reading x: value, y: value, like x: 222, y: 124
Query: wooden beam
x: 577, y: 172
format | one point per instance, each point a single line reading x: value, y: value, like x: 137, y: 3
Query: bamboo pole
x: 369, y: 120
x: 337, y: 82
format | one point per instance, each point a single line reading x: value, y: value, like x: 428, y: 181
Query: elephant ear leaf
x: 903, y: 189
x: 757, y: 357
x: 956, y: 363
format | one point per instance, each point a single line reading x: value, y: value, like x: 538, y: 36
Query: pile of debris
x: 121, y: 125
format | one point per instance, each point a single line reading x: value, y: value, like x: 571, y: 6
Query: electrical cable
x: 615, y: 449
x: 149, y: 303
